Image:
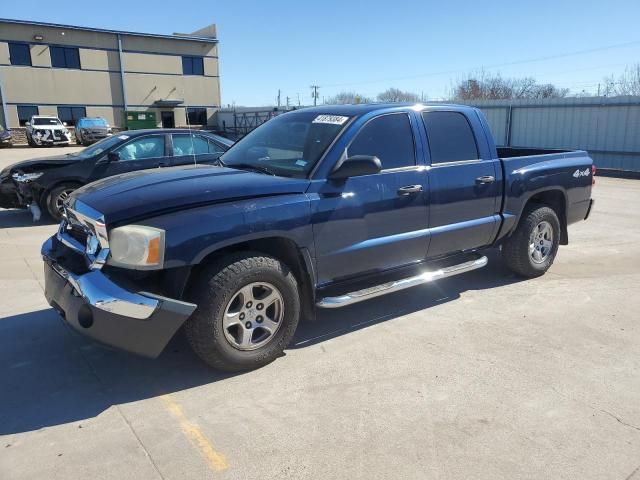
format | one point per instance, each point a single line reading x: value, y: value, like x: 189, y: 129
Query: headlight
x: 26, y: 177
x: 137, y: 247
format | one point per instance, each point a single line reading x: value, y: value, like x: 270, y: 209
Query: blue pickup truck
x: 322, y: 207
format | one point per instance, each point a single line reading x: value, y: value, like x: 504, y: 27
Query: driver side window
x: 389, y: 138
x: 141, y: 148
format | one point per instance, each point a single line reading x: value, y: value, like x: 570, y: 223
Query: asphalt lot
x: 481, y: 376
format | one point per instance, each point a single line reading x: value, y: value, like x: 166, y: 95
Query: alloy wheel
x: 253, y: 316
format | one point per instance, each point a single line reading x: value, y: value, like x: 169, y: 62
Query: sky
x: 368, y: 46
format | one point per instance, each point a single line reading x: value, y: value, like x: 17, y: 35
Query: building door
x: 168, y: 120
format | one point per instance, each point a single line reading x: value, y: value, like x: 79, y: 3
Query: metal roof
x: 116, y: 32
x: 362, y: 108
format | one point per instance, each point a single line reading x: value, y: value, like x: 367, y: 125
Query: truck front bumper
x: 96, y: 306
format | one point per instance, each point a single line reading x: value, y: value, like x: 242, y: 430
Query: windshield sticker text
x: 332, y: 119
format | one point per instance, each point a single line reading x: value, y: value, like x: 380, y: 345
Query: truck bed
x: 509, y: 152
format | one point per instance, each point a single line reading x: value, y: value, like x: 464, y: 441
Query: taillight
x: 593, y: 174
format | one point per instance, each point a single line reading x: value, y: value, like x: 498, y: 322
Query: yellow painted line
x: 214, y: 458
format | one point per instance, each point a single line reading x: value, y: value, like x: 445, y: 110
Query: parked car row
x: 46, y: 130
x: 45, y: 183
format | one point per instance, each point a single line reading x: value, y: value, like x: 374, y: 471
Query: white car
x: 46, y: 130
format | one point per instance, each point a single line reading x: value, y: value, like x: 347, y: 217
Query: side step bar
x: 378, y: 290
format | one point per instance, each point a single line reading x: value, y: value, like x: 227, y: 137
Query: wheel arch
x: 555, y: 199
x: 297, y: 258
x: 47, y: 190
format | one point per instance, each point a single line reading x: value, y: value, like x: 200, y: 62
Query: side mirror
x: 27, y: 124
x: 113, y: 156
x: 356, y: 166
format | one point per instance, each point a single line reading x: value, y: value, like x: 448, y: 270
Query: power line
x: 505, y: 64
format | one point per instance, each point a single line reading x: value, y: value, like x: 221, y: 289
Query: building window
x: 71, y: 115
x: 65, y: 57
x: 20, y: 54
x: 197, y: 116
x: 25, y: 112
x: 192, y: 66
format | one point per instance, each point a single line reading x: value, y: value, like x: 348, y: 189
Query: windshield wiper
x: 250, y: 166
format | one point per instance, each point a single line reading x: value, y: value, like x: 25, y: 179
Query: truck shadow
x: 50, y: 375
x: 332, y: 323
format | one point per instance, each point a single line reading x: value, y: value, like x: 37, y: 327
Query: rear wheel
x: 532, y: 248
x: 248, y: 310
x: 56, y: 198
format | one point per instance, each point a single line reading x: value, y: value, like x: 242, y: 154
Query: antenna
x: 193, y: 147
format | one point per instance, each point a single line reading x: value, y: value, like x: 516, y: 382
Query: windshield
x: 288, y: 145
x: 100, y: 147
x: 93, y: 122
x: 46, y: 121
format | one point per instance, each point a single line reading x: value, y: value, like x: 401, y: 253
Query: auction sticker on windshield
x: 332, y: 119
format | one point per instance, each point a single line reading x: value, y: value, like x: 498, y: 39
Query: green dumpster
x: 139, y: 120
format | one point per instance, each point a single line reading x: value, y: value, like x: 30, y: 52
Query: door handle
x: 485, y: 179
x: 409, y: 190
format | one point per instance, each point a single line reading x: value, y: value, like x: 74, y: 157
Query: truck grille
x: 86, y: 234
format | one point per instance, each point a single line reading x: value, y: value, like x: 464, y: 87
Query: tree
x: 628, y: 83
x: 483, y: 86
x: 347, y: 97
x: 397, y: 95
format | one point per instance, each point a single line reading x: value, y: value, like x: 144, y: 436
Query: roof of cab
x: 363, y: 108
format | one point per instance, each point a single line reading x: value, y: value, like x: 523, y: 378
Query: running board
x: 378, y: 290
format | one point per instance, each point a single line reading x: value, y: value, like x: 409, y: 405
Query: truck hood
x: 147, y: 193
x: 44, y: 163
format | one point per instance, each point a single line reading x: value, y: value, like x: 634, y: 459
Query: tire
x: 215, y: 330
x: 52, y: 200
x: 532, y: 248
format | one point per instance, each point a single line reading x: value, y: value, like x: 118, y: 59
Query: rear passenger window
x: 389, y: 138
x: 450, y: 137
x: 189, y: 145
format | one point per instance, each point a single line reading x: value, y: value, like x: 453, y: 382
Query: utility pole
x: 314, y: 94
x: 298, y: 98
x: 278, y: 98
x: 287, y: 102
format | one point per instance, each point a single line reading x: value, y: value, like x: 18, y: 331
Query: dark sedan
x: 45, y: 183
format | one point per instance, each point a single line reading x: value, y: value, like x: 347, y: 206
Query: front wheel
x: 248, y: 310
x: 532, y: 248
x: 56, y: 198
